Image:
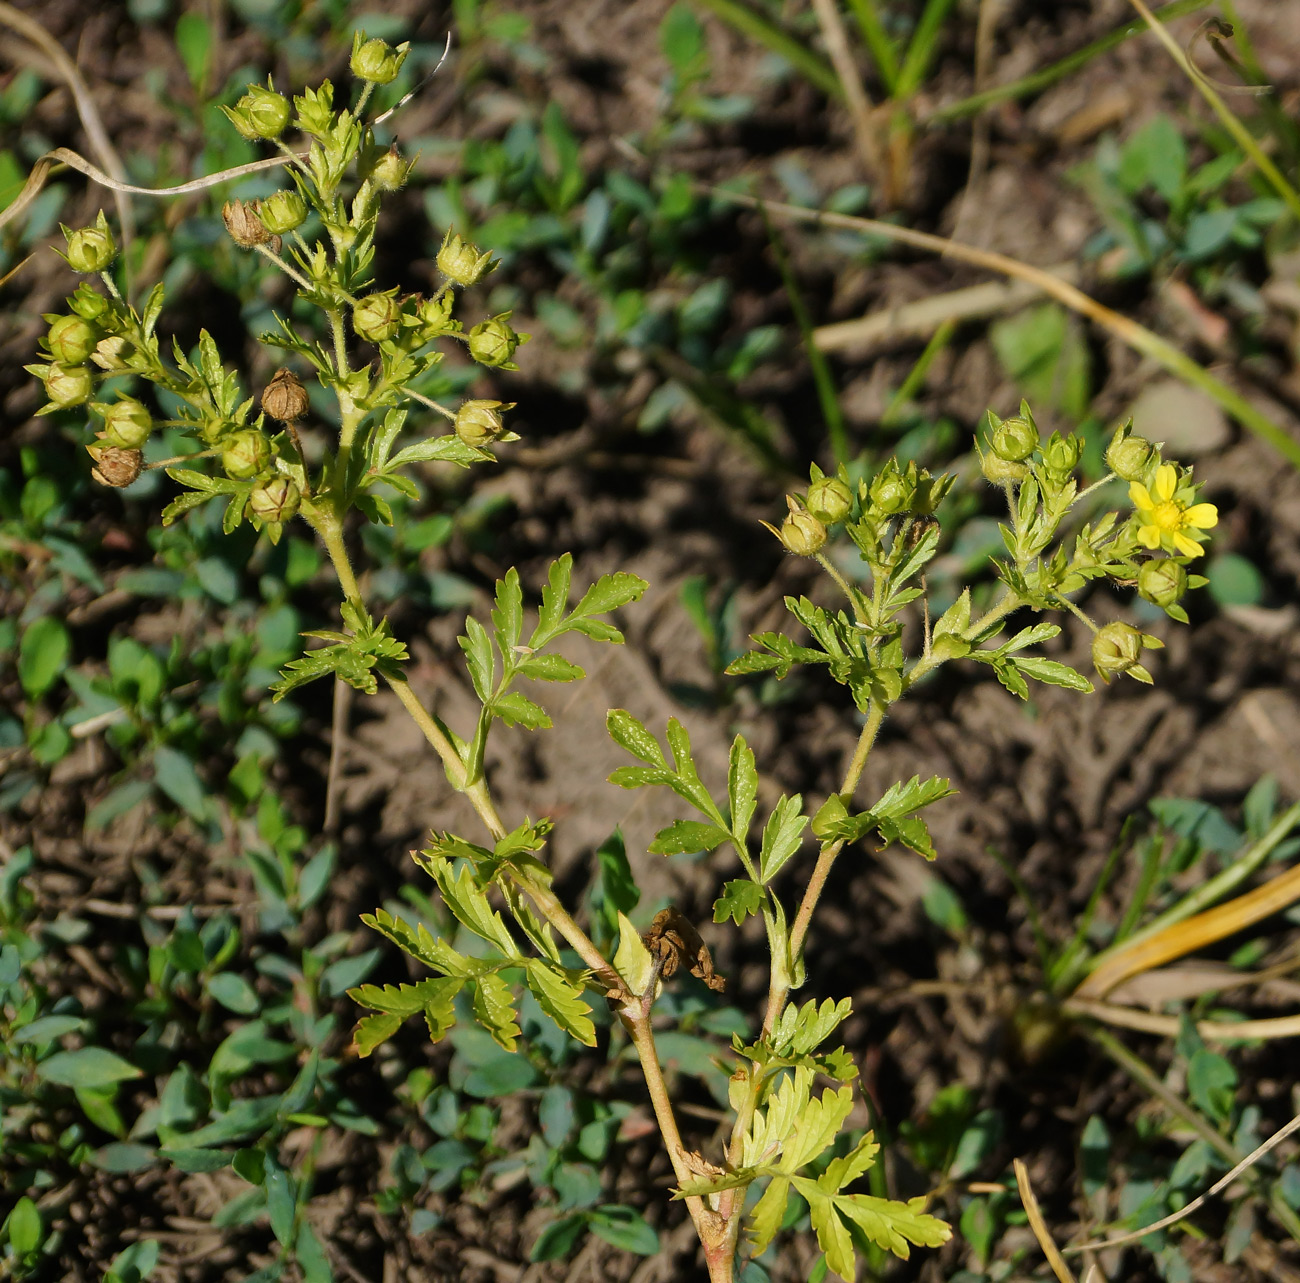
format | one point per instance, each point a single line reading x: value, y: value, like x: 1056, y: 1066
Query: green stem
x: 854, y: 597
x: 297, y: 277
x: 1240, y: 134
x: 1141, y: 1073
x: 920, y: 52
x: 779, y: 42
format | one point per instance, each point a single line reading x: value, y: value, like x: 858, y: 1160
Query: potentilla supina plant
x: 269, y: 462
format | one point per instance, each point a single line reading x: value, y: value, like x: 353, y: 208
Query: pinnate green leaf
x: 782, y: 835
x: 494, y: 1009
x: 561, y: 1000
x: 738, y: 900
x: 688, y: 835
x: 627, y: 732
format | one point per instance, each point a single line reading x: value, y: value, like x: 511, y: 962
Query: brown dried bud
x: 285, y: 398
x: 115, y: 467
x: 244, y: 223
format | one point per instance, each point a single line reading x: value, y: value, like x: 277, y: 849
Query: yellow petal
x: 1185, y: 546
x: 1149, y: 536
x: 1204, y: 516
x: 1139, y: 496
x: 1166, y: 482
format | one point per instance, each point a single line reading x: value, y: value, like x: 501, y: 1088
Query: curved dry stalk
x: 46, y: 164
x: 1039, y: 1225
x: 1122, y: 327
x: 1174, y: 1217
x: 87, y: 112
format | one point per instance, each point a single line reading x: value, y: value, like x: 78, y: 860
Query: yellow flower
x: 1164, y: 517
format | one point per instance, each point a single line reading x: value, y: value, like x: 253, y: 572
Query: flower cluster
x: 324, y: 243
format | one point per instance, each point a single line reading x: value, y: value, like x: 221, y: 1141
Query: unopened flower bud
x: 391, y: 170
x: 829, y: 500
x: 891, y: 491
x: 111, y: 353
x: 68, y: 386
x: 461, y: 262
x: 245, y: 455
x: 376, y: 60
x: 127, y: 424
x: 493, y: 342
x: 478, y: 423
x: 285, y: 398
x: 91, y: 249
x: 282, y: 211
x: 264, y: 112
x: 1127, y: 455
x: 242, y: 222
x: 71, y: 339
x: 377, y: 316
x: 1162, y: 581
x: 1014, y: 439
x: 115, y: 467
x: 1061, y: 454
x: 88, y: 303
x: 1116, y: 649
x: 999, y: 470
x: 435, y: 314
x: 276, y: 500
x: 800, y: 532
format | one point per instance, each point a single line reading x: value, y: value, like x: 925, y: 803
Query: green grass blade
x: 920, y: 52
x: 778, y: 41
x: 1039, y: 80
x: 916, y: 375
x: 878, y: 43
x: 823, y: 380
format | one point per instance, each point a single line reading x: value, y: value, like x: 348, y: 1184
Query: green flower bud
x: 71, y: 339
x: 113, y: 466
x: 88, y: 303
x: 1014, y: 439
x: 377, y: 316
x: 246, y: 454
x: 68, y: 386
x: 1127, y: 456
x: 892, y: 491
x: 461, y: 263
x: 282, y: 212
x: 391, y: 170
x: 999, y: 470
x: 1061, y: 454
x: 376, y: 60
x: 434, y: 315
x: 829, y: 500
x: 478, y: 423
x: 493, y: 342
x: 127, y: 424
x: 91, y: 249
x: 1162, y: 581
x: 275, y: 500
x: 315, y: 109
x: 1116, y: 649
x: 260, y: 113
x: 800, y: 532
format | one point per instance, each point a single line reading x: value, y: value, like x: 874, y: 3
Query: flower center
x: 1168, y: 516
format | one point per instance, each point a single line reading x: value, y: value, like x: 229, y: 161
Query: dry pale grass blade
x: 1122, y: 327
x: 1174, y: 1217
x: 13, y: 271
x: 1181, y: 938
x: 1039, y: 1225
x: 1150, y: 1022
x: 47, y: 164
x: 87, y: 112
x: 867, y: 131
x: 919, y: 319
